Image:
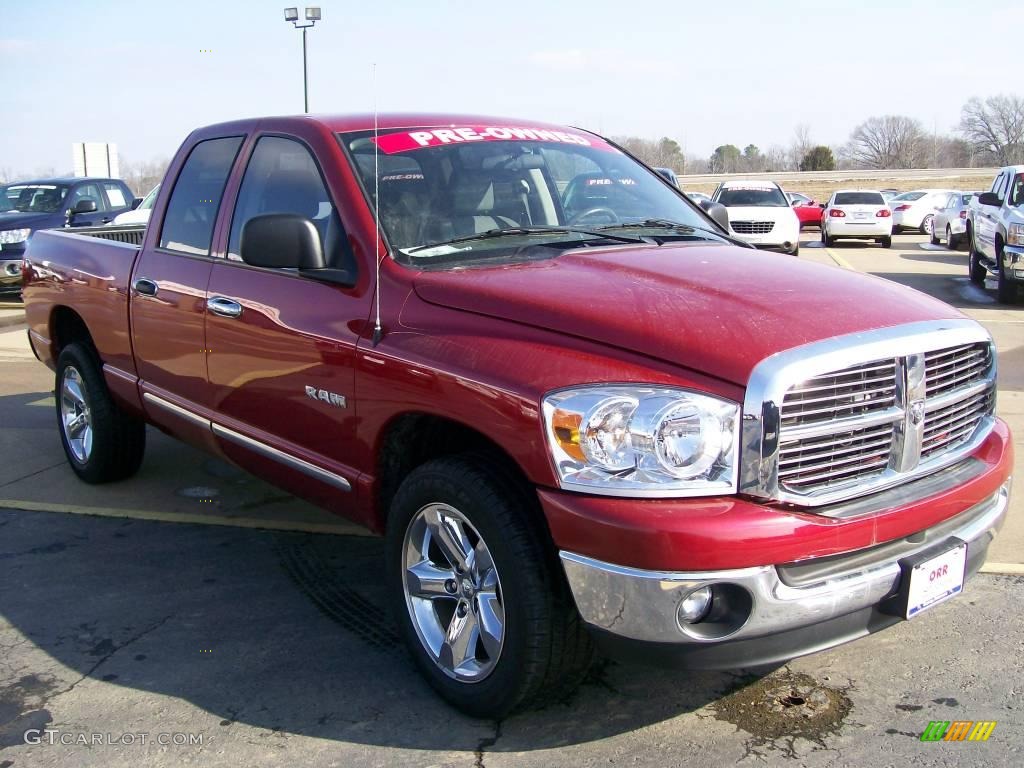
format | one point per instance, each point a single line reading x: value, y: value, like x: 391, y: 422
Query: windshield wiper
x: 533, y: 230
x: 677, y: 227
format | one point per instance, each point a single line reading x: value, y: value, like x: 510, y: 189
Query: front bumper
x: 790, y: 610
x: 1013, y: 262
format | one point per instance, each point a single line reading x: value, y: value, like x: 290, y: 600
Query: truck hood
x: 715, y: 309
x: 20, y: 220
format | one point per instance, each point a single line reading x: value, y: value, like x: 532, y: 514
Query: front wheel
x: 102, y: 442
x: 479, y: 598
x: 1006, y: 289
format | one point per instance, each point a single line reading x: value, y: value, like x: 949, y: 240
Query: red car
x: 577, y: 410
x: 806, y: 209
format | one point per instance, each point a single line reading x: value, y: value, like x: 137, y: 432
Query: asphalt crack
x: 486, y: 743
x: 110, y: 650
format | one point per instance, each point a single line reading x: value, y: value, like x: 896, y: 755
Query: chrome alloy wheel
x: 453, y: 593
x: 75, y: 416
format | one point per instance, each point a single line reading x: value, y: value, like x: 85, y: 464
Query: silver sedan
x: 950, y: 219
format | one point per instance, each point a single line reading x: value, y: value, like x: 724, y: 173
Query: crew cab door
x: 987, y: 219
x: 168, y: 305
x: 282, y: 345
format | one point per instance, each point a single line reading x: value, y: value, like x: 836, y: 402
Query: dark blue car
x: 26, y: 206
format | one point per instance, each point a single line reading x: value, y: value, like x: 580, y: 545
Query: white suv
x: 856, y: 213
x: 760, y: 214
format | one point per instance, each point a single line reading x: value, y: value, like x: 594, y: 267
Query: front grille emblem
x: 917, y: 412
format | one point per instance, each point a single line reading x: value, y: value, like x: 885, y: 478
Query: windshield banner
x: 405, y: 141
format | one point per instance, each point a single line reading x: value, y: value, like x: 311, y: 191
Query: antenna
x: 377, y: 330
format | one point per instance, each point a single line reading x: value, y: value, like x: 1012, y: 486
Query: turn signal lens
x: 837, y: 213
x: 884, y: 213
x: 566, y: 429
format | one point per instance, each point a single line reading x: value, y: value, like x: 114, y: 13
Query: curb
x: 12, y: 320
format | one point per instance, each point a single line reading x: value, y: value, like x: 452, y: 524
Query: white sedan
x: 916, y: 210
x: 855, y: 213
x: 760, y: 214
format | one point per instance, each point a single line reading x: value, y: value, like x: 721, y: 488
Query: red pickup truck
x: 578, y: 412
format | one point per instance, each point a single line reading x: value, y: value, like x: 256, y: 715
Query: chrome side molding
x: 293, y: 462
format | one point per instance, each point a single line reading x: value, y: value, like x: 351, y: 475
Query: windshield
x: 758, y: 197
x: 438, y: 186
x: 149, y: 199
x: 33, y: 198
x: 859, y: 198
x: 910, y: 196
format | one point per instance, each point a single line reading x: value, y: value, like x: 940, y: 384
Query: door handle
x: 105, y: 220
x: 145, y: 286
x: 224, y: 307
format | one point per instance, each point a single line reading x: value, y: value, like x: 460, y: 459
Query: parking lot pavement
x: 12, y: 311
x: 272, y: 648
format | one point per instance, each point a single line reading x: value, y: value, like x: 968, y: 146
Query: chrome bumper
x: 641, y: 605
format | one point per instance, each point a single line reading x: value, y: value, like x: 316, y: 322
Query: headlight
x: 1015, y: 234
x: 643, y: 441
x: 14, y: 235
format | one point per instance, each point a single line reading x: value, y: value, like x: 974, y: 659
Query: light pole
x: 313, y: 15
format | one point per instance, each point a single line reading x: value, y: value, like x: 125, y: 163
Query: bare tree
x: 892, y: 141
x: 995, y: 127
x: 142, y: 177
x: 802, y: 144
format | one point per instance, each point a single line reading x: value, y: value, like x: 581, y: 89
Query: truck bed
x: 88, y: 271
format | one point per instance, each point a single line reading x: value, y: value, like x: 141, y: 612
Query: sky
x: 143, y: 74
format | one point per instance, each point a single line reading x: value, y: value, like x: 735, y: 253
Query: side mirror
x: 718, y: 213
x: 85, y: 205
x: 823, y: 205
x: 136, y: 202
x: 989, y: 198
x: 282, y: 241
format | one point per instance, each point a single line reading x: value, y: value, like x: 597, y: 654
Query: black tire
x: 546, y: 649
x: 926, y: 222
x: 952, y: 241
x: 885, y: 242
x: 795, y: 251
x: 975, y: 269
x: 118, y: 439
x: 827, y: 239
x: 1006, y: 289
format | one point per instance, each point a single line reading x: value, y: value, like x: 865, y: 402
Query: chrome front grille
x: 947, y: 369
x: 856, y: 391
x: 867, y: 412
x: 752, y: 227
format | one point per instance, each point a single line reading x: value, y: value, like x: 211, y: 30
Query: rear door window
x: 195, y: 199
x: 116, y: 196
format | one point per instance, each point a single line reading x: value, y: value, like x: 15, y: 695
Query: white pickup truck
x: 995, y: 232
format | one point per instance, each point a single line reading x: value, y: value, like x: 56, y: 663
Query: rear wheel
x: 926, y: 225
x: 952, y: 241
x: 479, y: 598
x: 886, y: 242
x: 102, y: 442
x: 975, y: 268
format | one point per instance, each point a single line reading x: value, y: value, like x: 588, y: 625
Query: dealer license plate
x: 936, y: 580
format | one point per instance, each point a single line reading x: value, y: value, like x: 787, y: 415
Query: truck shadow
x: 286, y: 633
